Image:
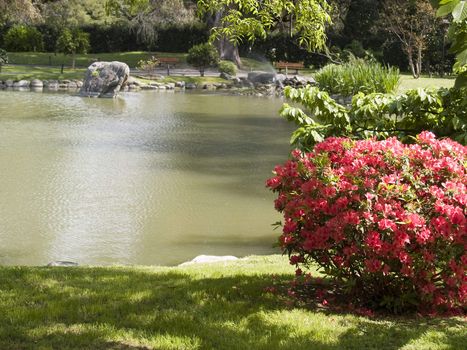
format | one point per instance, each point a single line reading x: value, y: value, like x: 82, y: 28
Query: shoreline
x: 235, y: 86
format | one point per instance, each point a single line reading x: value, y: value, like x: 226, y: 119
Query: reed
x: 358, y: 75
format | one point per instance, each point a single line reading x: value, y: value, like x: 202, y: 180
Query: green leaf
x: 447, y: 9
x: 461, y: 80
x: 460, y: 12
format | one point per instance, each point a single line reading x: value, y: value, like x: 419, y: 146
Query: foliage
x: 73, y: 41
x: 246, y: 19
x: 3, y: 57
x: 203, y: 56
x: 19, y: 11
x: 384, y: 218
x: 227, y: 67
x: 23, y: 38
x: 146, y: 17
x: 457, y: 33
x: 148, y: 66
x: 442, y: 111
x: 357, y: 75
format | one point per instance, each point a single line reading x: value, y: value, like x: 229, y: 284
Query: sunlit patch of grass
x: 407, y: 82
x: 206, y: 306
x: 15, y: 72
x: 84, y: 60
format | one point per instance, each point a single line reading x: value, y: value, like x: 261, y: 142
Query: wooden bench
x: 289, y: 65
x: 168, y: 62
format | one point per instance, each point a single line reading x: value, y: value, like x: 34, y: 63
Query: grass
x: 407, y: 82
x: 39, y: 72
x: 84, y: 60
x: 213, y: 306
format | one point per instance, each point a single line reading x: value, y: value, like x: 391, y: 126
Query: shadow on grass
x: 103, y: 308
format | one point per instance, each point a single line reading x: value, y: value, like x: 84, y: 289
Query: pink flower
x: 373, y: 240
x: 385, y: 224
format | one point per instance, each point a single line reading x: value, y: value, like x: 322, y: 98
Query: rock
x: 180, y: 84
x: 132, y: 81
x: 62, y: 263
x: 190, y: 86
x: 52, y: 84
x: 281, y: 77
x: 225, y: 76
x: 22, y: 84
x: 170, y: 86
x: 104, y: 79
x: 134, y: 87
x: 72, y: 85
x: 262, y: 77
x: 36, y: 83
x: 79, y: 83
x: 9, y: 83
x: 203, y: 259
x: 236, y: 81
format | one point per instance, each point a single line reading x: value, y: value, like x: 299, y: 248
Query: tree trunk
x: 201, y: 72
x: 413, y: 67
x: 227, y: 51
x: 419, y: 60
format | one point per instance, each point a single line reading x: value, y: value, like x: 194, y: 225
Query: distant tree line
x: 363, y: 28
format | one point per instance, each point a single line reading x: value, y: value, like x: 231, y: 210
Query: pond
x: 149, y: 178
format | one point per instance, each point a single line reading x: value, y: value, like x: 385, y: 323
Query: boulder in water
x: 105, y: 79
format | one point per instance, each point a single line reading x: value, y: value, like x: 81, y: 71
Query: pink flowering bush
x: 385, y: 219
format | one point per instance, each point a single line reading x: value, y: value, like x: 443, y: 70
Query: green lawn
x: 214, y: 306
x: 84, y: 60
x: 407, y: 82
x: 40, y: 72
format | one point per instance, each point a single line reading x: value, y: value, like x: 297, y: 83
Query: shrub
x: 441, y: 111
x: 203, y: 56
x: 73, y: 41
x: 21, y: 38
x: 357, y: 75
x: 228, y: 67
x: 3, y: 58
x: 384, y: 218
x: 148, y: 66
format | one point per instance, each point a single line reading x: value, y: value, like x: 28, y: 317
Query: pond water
x: 149, y: 178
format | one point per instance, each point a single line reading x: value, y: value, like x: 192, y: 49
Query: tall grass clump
x: 358, y: 75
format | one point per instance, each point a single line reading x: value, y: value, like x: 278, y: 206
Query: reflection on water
x: 151, y: 178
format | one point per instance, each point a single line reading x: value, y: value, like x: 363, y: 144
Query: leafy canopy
x: 457, y: 34
x: 73, y: 41
x: 251, y: 19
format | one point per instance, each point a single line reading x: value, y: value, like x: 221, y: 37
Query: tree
x: 3, y: 58
x: 73, y: 41
x: 23, y: 38
x: 203, y: 56
x: 18, y: 11
x: 144, y: 16
x: 457, y: 34
x: 411, y: 21
x: 246, y: 19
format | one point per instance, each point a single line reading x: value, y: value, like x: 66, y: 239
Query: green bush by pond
x: 357, y: 75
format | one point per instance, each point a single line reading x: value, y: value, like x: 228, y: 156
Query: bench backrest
x: 283, y: 64
x: 168, y: 60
